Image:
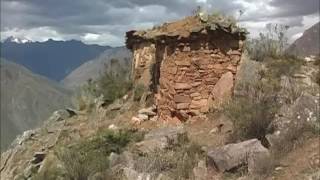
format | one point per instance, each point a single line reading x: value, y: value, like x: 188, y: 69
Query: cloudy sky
x: 105, y: 21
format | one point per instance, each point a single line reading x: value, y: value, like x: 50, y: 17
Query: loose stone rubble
x: 162, y: 138
x: 145, y: 114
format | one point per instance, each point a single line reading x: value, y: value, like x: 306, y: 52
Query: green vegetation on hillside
x: 91, y: 156
x: 111, y: 85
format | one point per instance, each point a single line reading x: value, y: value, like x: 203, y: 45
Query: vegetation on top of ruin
x: 199, y: 22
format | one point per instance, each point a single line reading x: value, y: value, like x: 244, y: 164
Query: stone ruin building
x: 189, y: 65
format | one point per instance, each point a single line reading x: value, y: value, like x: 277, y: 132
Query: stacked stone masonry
x: 184, y: 73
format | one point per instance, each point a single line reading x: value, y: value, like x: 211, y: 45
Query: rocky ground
x: 198, y: 150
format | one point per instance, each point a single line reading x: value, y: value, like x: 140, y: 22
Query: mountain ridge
x: 308, y: 43
x: 52, y: 59
x: 27, y: 99
x: 95, y: 67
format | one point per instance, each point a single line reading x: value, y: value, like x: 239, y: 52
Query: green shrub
x: 49, y: 170
x: 284, y: 66
x: 289, y: 139
x: 91, y: 155
x: 177, y: 162
x: 251, y: 118
x: 269, y: 44
x: 138, y: 92
x: 253, y: 112
x: 83, y: 98
x: 114, y: 85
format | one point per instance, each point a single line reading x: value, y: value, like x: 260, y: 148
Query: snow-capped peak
x: 17, y: 40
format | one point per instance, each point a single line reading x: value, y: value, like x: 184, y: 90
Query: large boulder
x: 235, y: 155
x: 222, y: 91
x: 162, y: 138
x: 62, y: 114
x: 247, y: 73
x: 303, y: 112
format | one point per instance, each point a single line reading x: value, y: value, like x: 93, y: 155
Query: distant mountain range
x: 27, y: 100
x: 52, y: 59
x: 308, y: 44
x: 95, y: 67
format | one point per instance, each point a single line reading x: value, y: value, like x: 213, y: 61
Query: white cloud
x: 90, y: 37
x: 105, y: 22
x: 102, y: 39
x: 34, y: 34
x: 296, y: 36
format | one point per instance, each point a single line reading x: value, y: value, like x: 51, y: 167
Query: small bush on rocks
x: 251, y: 118
x: 83, y: 98
x: 271, y: 43
x: 178, y: 162
x: 138, y: 92
x: 91, y: 155
x: 112, y: 84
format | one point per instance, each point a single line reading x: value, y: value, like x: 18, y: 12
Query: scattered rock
x: 147, y: 111
x: 125, y: 97
x: 113, y: 127
x: 115, y: 106
x: 25, y: 136
x: 62, y: 114
x: 143, y: 117
x: 234, y: 155
x: 145, y: 114
x: 135, y: 120
x: 310, y: 59
x: 113, y: 159
x: 300, y: 75
x: 162, y: 138
x: 154, y: 118
x: 214, y: 130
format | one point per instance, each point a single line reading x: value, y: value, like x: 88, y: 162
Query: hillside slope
x: 308, y: 43
x: 95, y: 67
x: 52, y: 59
x: 27, y: 100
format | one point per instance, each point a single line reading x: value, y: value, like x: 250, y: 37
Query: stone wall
x: 188, y: 78
x: 192, y: 81
x: 143, y: 59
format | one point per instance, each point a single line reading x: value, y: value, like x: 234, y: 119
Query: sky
x: 105, y: 22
